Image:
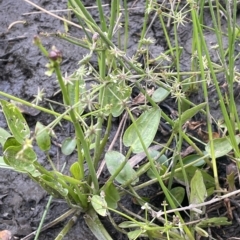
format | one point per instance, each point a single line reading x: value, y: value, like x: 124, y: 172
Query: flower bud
x: 95, y: 37
x: 55, y: 54
x: 36, y: 40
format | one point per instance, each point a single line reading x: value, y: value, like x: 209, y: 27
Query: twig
x: 61, y: 10
x: 16, y: 22
x: 54, y: 15
x: 191, y: 206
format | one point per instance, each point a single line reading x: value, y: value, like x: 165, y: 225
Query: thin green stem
x: 102, y: 16
x: 81, y: 142
x: 155, y: 171
x: 166, y: 176
x: 166, y: 33
x: 126, y: 21
x: 43, y: 218
x: 42, y: 109
x: 114, y: 11
x: 68, y: 226
x: 228, y: 121
x: 197, y: 31
x: 98, y: 152
x: 145, y: 21
x: 78, y: 5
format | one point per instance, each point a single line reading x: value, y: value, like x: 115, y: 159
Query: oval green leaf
x: 75, y: 170
x: 214, y: 222
x: 68, y: 146
x: 114, y: 97
x: 190, y: 171
x: 111, y: 195
x: 147, y: 125
x: 198, y: 189
x: 20, y: 158
x: 99, y: 204
x: 160, y: 94
x: 11, y: 141
x: 160, y: 162
x: 113, y: 161
x: 42, y: 137
x: 178, y: 194
x: 188, y: 114
x: 71, y: 88
x: 16, y: 122
x: 52, y: 185
x: 4, y: 135
x: 3, y: 164
x: 222, y: 146
x: 128, y: 224
x: 161, y: 170
x: 192, y: 158
x: 134, y: 234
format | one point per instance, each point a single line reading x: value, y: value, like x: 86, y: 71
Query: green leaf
x: 132, y: 235
x: 231, y: 182
x: 221, y: 146
x: 111, y: 195
x: 190, y: 171
x: 214, y: 222
x: 210, y: 191
x: 99, y: 204
x: 200, y: 231
x: 75, y: 170
x: 68, y: 146
x: 95, y: 225
x: 4, y: 135
x: 198, y: 189
x: 160, y: 94
x: 42, y: 137
x: 3, y: 164
x: 147, y: 125
x: 158, y: 159
x: 128, y: 224
x: 113, y: 161
x: 197, y: 195
x: 178, y: 194
x: 51, y: 185
x: 21, y: 158
x: 192, y: 158
x: 187, y: 115
x: 71, y: 91
x: 161, y: 169
x: 161, y: 164
x: 11, y: 141
x: 160, y: 234
x: 16, y: 122
x: 114, y: 97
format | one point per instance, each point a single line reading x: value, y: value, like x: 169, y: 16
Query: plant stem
x: 35, y: 106
x: 43, y: 218
x: 79, y: 135
x: 165, y: 190
x: 68, y: 226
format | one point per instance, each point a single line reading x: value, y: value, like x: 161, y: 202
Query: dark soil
x: 22, y: 67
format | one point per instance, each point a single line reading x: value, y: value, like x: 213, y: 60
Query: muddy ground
x: 22, y: 68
